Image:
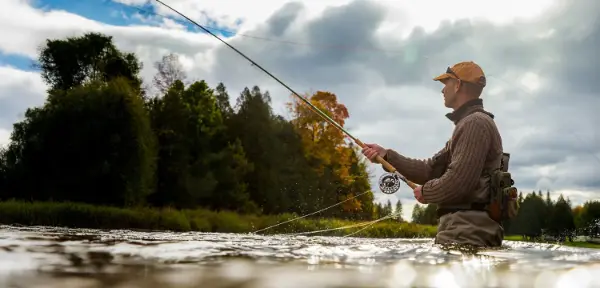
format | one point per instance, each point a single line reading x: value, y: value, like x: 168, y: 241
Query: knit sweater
x: 475, y: 144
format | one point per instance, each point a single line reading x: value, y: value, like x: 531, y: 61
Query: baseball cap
x: 465, y: 71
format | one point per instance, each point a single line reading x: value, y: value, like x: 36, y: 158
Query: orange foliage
x: 577, y: 210
x: 350, y: 205
x: 322, y: 140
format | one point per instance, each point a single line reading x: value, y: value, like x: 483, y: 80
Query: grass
x: 566, y: 243
x: 79, y: 215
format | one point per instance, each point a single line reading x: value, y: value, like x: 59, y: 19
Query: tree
x: 198, y: 162
x: 169, y: 71
x: 92, y: 143
x: 561, y: 222
x: 74, y: 61
x: 531, y: 217
x: 398, y: 210
x: 253, y: 124
x: 321, y: 139
x: 416, y: 213
x: 223, y: 101
x: 590, y: 216
x: 334, y: 160
x: 425, y: 215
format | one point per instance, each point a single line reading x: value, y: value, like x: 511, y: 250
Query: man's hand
x: 373, y: 150
x: 419, y: 195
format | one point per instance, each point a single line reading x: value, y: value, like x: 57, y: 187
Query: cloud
x: 19, y: 90
x: 379, y: 58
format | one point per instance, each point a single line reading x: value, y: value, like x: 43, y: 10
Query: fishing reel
x: 389, y: 183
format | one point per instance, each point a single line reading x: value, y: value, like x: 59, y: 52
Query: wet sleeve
x: 470, y: 147
x: 418, y: 171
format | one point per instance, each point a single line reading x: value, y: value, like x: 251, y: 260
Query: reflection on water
x: 57, y: 257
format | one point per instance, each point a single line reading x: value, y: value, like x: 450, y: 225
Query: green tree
x: 253, y: 124
x: 68, y: 63
x: 416, y: 213
x: 531, y: 217
x: 561, y: 222
x: 198, y: 164
x: 91, y: 144
x: 398, y: 210
x: 590, y: 218
x: 223, y: 101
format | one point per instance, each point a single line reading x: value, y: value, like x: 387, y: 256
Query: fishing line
x: 368, y: 224
x: 313, y: 213
x: 371, y: 224
x: 263, y: 38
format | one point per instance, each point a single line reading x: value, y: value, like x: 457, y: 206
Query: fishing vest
x: 495, y: 192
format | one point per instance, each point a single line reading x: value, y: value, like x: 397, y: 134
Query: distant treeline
x: 103, y: 137
x: 539, y: 215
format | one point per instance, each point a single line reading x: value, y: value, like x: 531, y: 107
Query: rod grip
x: 387, y: 165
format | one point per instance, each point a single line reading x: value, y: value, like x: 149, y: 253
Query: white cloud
x: 19, y: 90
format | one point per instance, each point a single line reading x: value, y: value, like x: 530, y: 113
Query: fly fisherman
x: 455, y: 178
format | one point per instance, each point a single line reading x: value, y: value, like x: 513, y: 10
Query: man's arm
x: 415, y: 170
x: 470, y: 147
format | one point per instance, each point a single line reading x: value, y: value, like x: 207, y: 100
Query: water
x: 58, y: 257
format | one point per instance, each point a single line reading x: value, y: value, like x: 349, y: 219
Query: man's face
x: 449, y: 92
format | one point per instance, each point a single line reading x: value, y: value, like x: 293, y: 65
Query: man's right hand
x: 373, y: 150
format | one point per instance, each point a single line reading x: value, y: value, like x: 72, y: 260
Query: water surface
x: 59, y: 257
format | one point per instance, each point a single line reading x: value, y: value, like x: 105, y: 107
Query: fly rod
x: 389, y: 183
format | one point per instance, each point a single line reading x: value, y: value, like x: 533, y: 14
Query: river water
x: 60, y: 257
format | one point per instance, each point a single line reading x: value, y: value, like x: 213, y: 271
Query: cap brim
x: 443, y: 77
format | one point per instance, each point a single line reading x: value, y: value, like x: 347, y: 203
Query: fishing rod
x: 389, y: 183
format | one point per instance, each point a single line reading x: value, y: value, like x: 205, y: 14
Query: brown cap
x: 464, y: 71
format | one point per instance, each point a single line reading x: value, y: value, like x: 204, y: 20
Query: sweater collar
x: 475, y: 105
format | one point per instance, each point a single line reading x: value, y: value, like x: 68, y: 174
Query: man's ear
x: 457, y: 84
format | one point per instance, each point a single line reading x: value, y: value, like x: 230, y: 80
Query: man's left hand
x: 418, y: 194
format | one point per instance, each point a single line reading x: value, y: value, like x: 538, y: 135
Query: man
x: 455, y: 178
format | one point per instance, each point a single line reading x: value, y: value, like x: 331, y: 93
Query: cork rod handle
x: 387, y: 165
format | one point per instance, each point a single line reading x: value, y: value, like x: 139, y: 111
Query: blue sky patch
x: 18, y: 61
x: 113, y: 13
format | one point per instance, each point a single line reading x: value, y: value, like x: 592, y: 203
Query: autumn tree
x: 327, y: 151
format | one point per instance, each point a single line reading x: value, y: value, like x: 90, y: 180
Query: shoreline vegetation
x: 82, y: 215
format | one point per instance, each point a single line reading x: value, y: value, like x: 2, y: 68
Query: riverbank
x: 580, y: 244
x: 78, y: 215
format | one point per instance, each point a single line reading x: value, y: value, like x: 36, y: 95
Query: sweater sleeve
x: 416, y: 170
x: 470, y: 147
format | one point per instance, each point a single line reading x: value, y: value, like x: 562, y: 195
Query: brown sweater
x: 475, y: 144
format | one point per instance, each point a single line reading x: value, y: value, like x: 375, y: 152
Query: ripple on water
x: 59, y: 257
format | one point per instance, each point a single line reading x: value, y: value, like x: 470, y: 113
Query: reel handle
x: 388, y: 166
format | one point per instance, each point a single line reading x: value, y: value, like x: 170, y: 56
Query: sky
x: 378, y: 57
